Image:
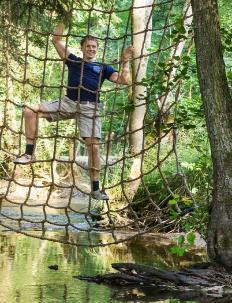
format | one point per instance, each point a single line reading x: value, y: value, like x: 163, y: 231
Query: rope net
x: 50, y: 198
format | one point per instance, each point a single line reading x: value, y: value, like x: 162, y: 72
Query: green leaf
x: 173, y: 214
x: 180, y: 240
x: 174, y: 249
x: 191, y: 238
x: 182, y: 250
x: 172, y: 202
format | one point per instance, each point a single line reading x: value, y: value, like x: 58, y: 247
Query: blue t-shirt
x: 85, y: 78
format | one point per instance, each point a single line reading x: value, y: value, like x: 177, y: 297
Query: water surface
x: 25, y: 276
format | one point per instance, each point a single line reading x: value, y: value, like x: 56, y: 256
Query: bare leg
x: 31, y: 117
x: 31, y: 123
x: 94, y: 167
x: 93, y: 158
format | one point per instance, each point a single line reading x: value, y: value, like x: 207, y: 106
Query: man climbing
x: 81, y: 102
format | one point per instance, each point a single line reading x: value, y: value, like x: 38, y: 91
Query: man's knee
x: 95, y: 148
x: 30, y: 112
x: 92, y: 144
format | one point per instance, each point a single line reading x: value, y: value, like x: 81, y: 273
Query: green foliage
x: 226, y: 34
x: 190, y: 113
x: 225, y: 8
x: 159, y: 83
x: 195, y: 163
x: 183, y: 242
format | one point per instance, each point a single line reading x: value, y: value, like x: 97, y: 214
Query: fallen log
x: 204, y: 280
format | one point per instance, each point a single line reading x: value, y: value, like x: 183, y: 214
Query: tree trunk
x: 9, y: 115
x: 142, y: 22
x: 167, y: 99
x: 218, y: 112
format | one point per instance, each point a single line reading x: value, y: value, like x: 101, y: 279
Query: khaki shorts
x: 86, y: 113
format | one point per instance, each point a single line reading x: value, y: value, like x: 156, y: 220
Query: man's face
x: 89, y: 49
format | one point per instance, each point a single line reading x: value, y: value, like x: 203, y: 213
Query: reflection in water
x: 146, y: 294
x: 25, y: 276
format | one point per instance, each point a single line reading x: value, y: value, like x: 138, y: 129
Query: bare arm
x: 124, y: 76
x: 61, y: 48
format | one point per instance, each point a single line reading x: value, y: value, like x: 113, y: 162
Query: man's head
x: 89, y: 47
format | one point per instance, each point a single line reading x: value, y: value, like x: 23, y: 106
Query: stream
x: 25, y: 275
